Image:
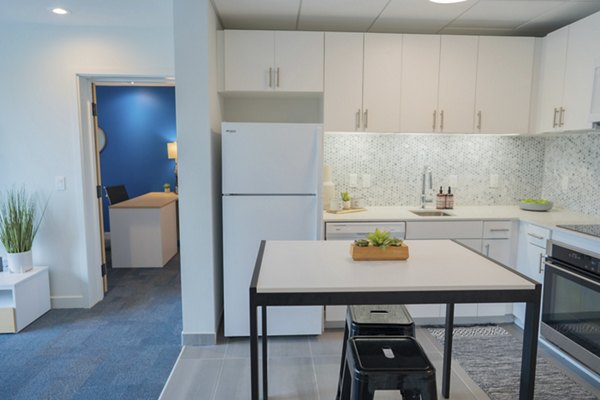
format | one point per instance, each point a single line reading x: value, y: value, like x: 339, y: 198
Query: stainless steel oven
x: 571, y: 302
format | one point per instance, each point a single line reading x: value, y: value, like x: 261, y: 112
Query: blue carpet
x: 122, y: 348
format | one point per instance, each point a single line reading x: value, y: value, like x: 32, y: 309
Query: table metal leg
x: 446, y: 367
x: 530, y: 345
x: 253, y: 349
x: 265, y: 358
x: 342, y: 361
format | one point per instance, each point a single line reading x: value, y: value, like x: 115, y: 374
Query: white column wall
x: 198, y: 126
x: 40, y: 136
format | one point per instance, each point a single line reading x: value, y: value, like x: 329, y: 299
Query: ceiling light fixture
x: 447, y: 1
x: 60, y: 11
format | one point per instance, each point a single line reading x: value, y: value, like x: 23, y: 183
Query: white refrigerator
x: 271, y: 190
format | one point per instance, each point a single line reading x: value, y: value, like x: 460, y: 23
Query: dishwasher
x: 336, y: 315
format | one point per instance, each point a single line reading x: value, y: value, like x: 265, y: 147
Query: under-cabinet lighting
x: 60, y: 11
x: 447, y: 1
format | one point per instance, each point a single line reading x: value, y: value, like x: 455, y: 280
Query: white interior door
x: 246, y: 221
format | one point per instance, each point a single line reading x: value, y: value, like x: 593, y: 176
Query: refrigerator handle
x: 319, y: 181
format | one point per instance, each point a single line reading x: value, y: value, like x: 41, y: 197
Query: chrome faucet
x: 426, y: 175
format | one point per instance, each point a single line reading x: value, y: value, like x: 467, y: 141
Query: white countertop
x: 546, y: 218
x: 433, y: 265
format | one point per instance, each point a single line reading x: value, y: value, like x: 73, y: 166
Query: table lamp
x: 172, y: 155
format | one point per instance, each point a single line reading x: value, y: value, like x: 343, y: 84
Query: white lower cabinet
x: 532, y: 248
x: 494, y: 239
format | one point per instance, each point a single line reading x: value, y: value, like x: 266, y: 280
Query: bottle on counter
x: 450, y: 199
x: 328, y: 190
x: 440, y: 200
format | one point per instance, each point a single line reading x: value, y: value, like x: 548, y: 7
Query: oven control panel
x: 578, y: 258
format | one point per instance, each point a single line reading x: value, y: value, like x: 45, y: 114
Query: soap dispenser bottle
x: 450, y: 199
x: 440, y: 200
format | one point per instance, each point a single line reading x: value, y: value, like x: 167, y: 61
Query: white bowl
x: 535, y: 206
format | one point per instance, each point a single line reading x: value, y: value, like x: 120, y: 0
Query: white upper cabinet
x: 273, y: 61
x: 458, y: 77
x: 381, y: 82
x: 438, y: 83
x: 343, y: 81
x: 552, y: 76
x: 583, y: 52
x: 362, y: 82
x: 504, y: 83
x: 567, y: 76
x: 420, y: 74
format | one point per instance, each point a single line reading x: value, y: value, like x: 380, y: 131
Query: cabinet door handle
x: 366, y: 118
x: 479, y: 120
x: 561, y: 118
x: 487, y: 250
x: 442, y: 121
x: 270, y: 77
x: 536, y: 236
x: 357, y: 119
x: 554, y: 123
x: 541, y: 264
x: 277, y: 77
x: 499, y: 229
x: 434, y: 119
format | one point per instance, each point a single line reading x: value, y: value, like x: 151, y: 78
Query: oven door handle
x: 593, y: 282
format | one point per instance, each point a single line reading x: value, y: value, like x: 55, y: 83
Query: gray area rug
x: 498, y: 372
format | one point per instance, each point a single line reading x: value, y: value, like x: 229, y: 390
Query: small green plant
x: 18, y: 225
x: 167, y: 186
x: 345, y: 196
x: 361, y: 243
x: 383, y: 239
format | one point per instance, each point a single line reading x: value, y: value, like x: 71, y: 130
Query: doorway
x: 127, y: 125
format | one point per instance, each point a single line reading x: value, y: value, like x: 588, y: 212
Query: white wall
x: 40, y: 129
x: 198, y: 127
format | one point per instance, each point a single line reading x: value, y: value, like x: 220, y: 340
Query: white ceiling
x: 124, y: 13
x: 486, y: 17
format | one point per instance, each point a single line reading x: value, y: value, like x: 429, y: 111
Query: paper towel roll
x: 326, y: 173
x: 328, y: 193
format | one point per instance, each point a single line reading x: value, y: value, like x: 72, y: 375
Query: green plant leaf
x: 18, y: 225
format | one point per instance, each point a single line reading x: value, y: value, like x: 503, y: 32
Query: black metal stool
x: 384, y: 319
x: 387, y: 363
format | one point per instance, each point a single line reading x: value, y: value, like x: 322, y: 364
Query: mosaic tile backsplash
x: 572, y: 172
x: 525, y: 166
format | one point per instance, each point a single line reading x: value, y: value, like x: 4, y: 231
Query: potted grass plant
x: 19, y: 224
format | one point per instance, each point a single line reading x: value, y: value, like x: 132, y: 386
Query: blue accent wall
x: 138, y: 122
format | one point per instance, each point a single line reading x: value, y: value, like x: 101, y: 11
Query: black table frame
x: 532, y: 298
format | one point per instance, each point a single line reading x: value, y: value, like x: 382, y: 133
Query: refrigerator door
x: 246, y: 221
x: 263, y: 158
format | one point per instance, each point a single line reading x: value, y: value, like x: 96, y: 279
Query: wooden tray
x: 346, y: 211
x: 372, y: 253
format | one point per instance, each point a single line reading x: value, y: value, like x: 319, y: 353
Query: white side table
x: 23, y: 298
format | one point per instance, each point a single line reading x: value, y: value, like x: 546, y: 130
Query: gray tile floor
x: 303, y: 368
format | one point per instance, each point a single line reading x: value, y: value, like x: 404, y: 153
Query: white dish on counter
x: 535, y: 206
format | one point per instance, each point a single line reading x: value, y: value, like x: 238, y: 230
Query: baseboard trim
x: 67, y: 302
x: 198, y: 339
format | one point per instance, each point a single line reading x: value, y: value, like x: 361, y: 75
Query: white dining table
x: 300, y: 273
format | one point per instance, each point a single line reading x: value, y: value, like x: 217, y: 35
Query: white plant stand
x: 23, y: 298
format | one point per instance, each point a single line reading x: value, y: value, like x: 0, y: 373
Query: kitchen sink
x: 430, y: 213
